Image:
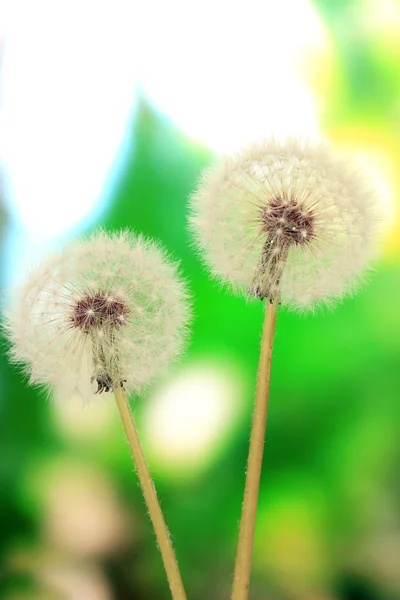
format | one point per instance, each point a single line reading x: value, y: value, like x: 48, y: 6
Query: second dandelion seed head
x: 291, y: 220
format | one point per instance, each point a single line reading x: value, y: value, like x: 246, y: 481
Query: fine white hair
x: 106, y: 311
x: 293, y: 219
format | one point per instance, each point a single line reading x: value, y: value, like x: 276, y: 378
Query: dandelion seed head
x: 106, y: 311
x: 293, y: 219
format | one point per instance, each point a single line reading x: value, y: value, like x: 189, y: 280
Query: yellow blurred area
x: 381, y: 22
x: 289, y: 541
x: 377, y: 150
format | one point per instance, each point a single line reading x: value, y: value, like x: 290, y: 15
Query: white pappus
x: 106, y: 311
x: 293, y: 219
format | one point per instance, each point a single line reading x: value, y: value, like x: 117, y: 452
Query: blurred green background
x: 109, y: 113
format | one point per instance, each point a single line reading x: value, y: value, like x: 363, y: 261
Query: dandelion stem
x: 241, y: 579
x: 150, y: 496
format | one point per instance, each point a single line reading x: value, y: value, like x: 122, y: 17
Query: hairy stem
x: 150, y: 496
x: 241, y: 579
x: 268, y: 273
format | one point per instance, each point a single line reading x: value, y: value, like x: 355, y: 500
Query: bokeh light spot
x: 190, y: 419
x: 82, y: 512
x: 229, y: 73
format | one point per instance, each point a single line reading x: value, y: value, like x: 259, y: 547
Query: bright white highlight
x: 187, y: 421
x: 68, y: 76
x: 227, y: 72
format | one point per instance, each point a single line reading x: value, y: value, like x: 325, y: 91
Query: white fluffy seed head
x: 105, y: 311
x: 290, y: 219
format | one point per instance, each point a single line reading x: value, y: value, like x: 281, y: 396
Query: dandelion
x: 292, y: 219
x: 107, y: 311
x: 292, y: 222
x: 105, y: 315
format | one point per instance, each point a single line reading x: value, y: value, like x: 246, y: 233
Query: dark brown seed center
x: 98, y: 310
x: 286, y: 222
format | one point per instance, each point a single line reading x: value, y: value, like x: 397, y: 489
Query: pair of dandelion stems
x: 241, y: 579
x: 96, y: 313
x: 150, y: 496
